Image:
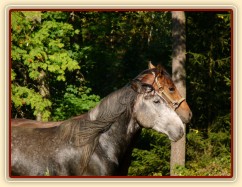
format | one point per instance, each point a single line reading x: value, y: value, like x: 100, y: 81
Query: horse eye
x: 171, y: 89
x: 156, y: 101
x: 148, y: 89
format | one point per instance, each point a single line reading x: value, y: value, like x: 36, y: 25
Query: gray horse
x: 99, y: 143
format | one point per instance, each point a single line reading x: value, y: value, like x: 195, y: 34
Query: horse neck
x: 108, y: 130
x: 118, y: 140
x: 116, y: 109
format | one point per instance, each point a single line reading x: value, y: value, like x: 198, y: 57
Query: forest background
x: 64, y: 62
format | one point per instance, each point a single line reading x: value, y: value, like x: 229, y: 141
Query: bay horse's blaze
x: 99, y: 142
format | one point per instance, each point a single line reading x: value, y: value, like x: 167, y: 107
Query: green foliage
x: 22, y: 96
x: 218, y: 166
x: 47, y: 172
x: 116, y: 46
x: 151, y: 156
x: 43, y: 46
x: 207, y: 157
x: 145, y: 163
x: 75, y: 101
x: 209, y: 59
x: 42, y: 56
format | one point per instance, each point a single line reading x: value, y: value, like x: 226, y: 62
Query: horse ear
x: 140, y: 87
x: 136, y: 85
x: 160, y: 69
x: 150, y: 65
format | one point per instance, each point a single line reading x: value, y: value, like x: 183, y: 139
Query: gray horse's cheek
x: 143, y: 119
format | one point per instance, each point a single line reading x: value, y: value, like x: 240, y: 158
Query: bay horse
x: 99, y: 142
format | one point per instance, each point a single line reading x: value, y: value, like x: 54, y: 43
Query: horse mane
x: 84, y: 133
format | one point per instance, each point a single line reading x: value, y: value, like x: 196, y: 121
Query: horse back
x: 39, y: 124
x: 33, y: 123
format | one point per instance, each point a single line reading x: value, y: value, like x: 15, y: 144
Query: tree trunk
x: 179, y: 78
x: 43, y: 90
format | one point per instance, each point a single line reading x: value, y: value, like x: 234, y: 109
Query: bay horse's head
x: 164, y: 86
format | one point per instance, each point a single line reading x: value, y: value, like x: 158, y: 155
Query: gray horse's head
x: 151, y: 111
